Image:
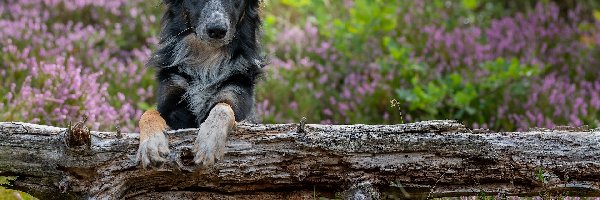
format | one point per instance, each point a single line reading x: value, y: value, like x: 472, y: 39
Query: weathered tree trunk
x: 432, y: 158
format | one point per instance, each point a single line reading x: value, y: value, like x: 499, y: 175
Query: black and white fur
x: 195, y: 71
x: 208, y: 54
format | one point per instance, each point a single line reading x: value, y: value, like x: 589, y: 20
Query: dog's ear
x: 253, y: 7
x: 253, y: 3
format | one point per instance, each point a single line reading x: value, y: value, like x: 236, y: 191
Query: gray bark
x: 424, y: 159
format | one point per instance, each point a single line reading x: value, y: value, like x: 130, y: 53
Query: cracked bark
x: 431, y: 158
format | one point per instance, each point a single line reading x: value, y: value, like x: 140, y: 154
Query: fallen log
x: 282, y: 161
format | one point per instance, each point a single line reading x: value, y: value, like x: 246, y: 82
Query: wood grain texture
x: 431, y: 158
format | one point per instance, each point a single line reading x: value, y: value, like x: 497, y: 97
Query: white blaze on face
x: 214, y: 9
x: 217, y: 15
x: 212, y: 14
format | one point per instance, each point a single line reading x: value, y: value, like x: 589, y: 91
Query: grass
x: 8, y: 194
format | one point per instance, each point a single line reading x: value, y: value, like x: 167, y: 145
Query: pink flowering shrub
x: 566, y: 91
x: 487, y: 64
x: 535, y: 65
x: 64, y: 60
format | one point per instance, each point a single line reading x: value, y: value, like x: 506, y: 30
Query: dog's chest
x: 203, y: 75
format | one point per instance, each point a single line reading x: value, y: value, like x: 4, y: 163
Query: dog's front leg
x: 212, y: 135
x: 153, y: 143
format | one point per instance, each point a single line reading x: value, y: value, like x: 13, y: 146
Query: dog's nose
x: 216, y: 31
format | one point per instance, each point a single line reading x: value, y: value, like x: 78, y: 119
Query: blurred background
x: 502, y: 65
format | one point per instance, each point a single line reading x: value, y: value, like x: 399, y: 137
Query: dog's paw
x: 209, y: 147
x: 153, y: 150
x: 154, y: 146
x: 212, y: 136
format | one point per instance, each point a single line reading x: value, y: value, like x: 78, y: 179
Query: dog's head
x: 206, y: 24
x: 214, y: 22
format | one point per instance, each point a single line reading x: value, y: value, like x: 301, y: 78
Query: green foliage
x: 345, y: 61
x: 353, y: 37
x: 539, y: 174
x: 470, y: 4
x: 5, y: 180
x: 484, y: 196
x: 8, y: 194
x: 468, y: 98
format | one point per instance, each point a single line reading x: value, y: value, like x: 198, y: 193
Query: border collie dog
x: 208, y: 61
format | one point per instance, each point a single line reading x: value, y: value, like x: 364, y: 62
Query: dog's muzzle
x: 216, y: 30
x: 214, y: 27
